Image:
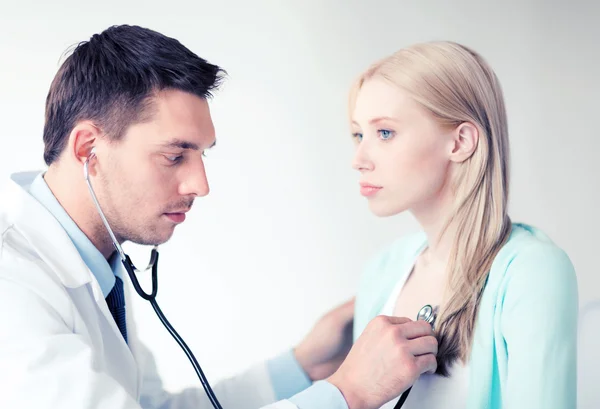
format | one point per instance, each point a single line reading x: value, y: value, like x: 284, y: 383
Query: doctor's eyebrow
x: 181, y: 144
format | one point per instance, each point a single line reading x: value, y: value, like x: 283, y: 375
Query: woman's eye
x: 358, y: 136
x: 385, y: 134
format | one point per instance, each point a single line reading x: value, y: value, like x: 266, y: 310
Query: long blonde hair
x: 456, y: 85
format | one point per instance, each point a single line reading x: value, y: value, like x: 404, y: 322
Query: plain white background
x: 284, y: 234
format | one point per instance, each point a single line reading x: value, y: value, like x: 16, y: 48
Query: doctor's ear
x: 83, y: 139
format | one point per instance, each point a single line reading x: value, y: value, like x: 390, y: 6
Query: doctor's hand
x: 385, y: 361
x: 326, y: 346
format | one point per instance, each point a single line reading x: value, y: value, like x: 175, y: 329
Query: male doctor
x: 67, y: 339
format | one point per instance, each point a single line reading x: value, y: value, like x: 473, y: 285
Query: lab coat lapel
x: 50, y: 241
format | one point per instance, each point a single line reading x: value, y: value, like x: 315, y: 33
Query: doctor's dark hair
x: 112, y: 78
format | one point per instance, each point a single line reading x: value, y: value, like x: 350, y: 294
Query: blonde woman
x: 431, y: 137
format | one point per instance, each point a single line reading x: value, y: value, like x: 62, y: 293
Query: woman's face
x: 404, y: 157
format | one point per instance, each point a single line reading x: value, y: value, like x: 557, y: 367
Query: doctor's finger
x: 394, y: 320
x: 426, y: 363
x: 423, y: 346
x: 415, y: 329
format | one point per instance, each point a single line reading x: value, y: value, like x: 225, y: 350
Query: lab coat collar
x: 43, y: 232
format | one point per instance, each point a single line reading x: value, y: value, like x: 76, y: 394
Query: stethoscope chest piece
x: 427, y: 314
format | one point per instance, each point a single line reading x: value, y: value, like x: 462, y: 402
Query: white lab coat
x: 59, y: 345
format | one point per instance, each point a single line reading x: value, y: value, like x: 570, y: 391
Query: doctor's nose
x: 195, y: 182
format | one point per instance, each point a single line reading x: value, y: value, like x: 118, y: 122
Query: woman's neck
x: 433, y: 218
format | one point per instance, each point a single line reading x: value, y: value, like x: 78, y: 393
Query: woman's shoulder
x: 531, y: 258
x: 528, y: 243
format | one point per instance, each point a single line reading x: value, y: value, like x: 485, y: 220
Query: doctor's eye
x: 174, y: 158
x: 386, y: 134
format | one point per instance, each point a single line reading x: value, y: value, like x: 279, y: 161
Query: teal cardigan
x: 524, y: 352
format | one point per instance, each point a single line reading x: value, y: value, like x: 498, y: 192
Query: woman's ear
x: 466, y: 138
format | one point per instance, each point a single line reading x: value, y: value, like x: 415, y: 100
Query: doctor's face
x: 151, y: 176
x: 402, y: 153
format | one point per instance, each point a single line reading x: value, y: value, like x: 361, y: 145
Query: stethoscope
x: 153, y: 264
x: 429, y: 315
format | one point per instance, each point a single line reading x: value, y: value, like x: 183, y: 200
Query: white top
x: 431, y: 391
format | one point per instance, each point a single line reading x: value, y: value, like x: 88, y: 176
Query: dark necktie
x: 116, y: 305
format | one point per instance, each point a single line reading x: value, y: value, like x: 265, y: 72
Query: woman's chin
x: 385, y: 209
